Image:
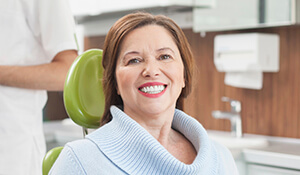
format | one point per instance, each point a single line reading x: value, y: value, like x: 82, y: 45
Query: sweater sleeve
x: 67, y: 163
x: 227, y: 164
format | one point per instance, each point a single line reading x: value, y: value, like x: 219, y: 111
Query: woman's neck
x: 158, y: 125
x: 173, y: 141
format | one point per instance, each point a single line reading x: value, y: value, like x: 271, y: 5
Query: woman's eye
x: 164, y: 57
x: 133, y: 61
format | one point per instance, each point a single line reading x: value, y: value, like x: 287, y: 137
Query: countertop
x: 278, y: 151
x: 58, y: 133
x: 281, y: 152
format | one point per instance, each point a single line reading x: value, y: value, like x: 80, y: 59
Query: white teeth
x: 153, y: 89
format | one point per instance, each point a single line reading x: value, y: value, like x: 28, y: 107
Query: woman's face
x: 149, y: 71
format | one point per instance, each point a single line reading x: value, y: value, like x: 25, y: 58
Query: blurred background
x: 269, y: 113
x: 273, y: 110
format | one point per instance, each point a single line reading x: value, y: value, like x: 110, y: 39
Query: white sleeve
x: 57, y: 26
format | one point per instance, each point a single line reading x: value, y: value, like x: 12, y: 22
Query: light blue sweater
x: 124, y: 147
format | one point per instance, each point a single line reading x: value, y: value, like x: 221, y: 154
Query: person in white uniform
x: 37, y: 47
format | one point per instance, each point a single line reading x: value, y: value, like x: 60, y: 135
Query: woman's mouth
x: 153, y: 89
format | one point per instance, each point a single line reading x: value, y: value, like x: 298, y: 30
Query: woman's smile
x: 153, y: 89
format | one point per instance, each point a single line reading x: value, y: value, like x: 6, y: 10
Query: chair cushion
x: 83, y: 92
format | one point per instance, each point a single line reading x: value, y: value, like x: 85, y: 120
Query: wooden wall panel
x: 54, y: 108
x: 273, y: 111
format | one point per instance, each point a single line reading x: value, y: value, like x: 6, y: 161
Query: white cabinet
x: 96, y: 7
x: 97, y: 17
x: 236, y: 14
x: 254, y: 169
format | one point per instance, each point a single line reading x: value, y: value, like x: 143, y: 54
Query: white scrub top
x: 31, y: 32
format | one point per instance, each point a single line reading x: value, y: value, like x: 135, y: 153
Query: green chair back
x: 83, y: 96
x: 83, y: 93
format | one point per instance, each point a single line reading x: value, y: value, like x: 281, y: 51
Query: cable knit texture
x: 123, y: 146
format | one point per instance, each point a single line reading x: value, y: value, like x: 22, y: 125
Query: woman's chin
x: 155, y: 109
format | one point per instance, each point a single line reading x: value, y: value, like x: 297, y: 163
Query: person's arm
x: 49, y: 76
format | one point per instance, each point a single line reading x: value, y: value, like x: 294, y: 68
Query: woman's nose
x: 151, y: 69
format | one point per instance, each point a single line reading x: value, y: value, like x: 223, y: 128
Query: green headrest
x: 83, y: 93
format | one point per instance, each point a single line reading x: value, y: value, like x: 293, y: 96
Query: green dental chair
x: 83, y: 97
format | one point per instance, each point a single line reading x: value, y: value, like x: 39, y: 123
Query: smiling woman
x: 114, y: 42
x: 158, y: 64
x: 147, y: 71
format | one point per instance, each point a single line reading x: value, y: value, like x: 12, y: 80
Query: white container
x: 248, y: 52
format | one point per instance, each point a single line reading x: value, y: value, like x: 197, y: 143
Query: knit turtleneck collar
x: 129, y: 146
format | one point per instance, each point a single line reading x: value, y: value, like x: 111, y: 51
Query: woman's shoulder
x: 83, y: 157
x: 71, y: 157
x: 87, y: 156
x: 80, y: 150
x: 80, y: 145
